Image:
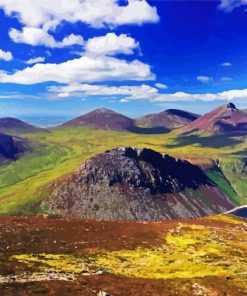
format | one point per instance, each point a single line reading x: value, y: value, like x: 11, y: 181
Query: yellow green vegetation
x: 226, y: 219
x: 58, y: 151
x: 51, y: 262
x: 189, y: 251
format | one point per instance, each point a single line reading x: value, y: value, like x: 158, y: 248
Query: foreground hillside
x: 57, y: 257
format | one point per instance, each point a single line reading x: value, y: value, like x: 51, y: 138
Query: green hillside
x: 58, y: 151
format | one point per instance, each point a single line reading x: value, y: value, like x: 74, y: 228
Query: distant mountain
x: 226, y: 119
x: 136, y: 184
x: 9, y: 123
x: 102, y: 119
x: 10, y: 147
x: 169, y: 119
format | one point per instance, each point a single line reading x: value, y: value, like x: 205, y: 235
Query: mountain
x: 169, y: 119
x: 10, y: 147
x: 9, y: 124
x: 136, y: 184
x: 226, y: 119
x: 102, y: 119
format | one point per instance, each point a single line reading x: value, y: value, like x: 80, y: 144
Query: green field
x: 56, y: 152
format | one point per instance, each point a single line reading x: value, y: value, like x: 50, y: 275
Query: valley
x: 49, y: 247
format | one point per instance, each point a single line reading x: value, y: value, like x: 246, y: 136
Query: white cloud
x: 72, y: 39
x: 6, y: 55
x: 83, y: 69
x: 111, y: 44
x: 204, y: 79
x: 50, y: 13
x: 226, y: 79
x: 226, y: 64
x: 35, y: 60
x: 124, y: 101
x: 161, y: 85
x: 229, y: 5
x: 36, y: 36
x: 143, y: 92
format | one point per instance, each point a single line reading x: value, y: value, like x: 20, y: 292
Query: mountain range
x: 226, y: 119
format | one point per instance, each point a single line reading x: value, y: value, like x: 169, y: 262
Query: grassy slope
x: 59, y: 151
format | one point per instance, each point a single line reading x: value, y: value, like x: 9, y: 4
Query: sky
x: 67, y: 57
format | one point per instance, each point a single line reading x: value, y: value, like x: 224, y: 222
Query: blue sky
x: 66, y: 57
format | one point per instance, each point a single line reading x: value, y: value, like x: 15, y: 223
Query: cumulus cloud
x: 6, y: 55
x: 226, y: 64
x: 35, y: 60
x: 143, y: 92
x: 111, y: 44
x: 161, y: 85
x: 204, y: 79
x: 49, y: 14
x: 84, y: 69
x: 229, y: 5
x: 36, y: 36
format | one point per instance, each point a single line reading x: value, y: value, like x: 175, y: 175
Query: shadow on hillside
x: 144, y: 130
x: 217, y: 141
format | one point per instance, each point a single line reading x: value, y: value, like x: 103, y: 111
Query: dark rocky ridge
x: 10, y: 147
x: 136, y: 184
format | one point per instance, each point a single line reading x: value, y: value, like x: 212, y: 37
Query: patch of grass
x: 219, y: 179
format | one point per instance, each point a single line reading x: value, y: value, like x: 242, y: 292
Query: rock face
x: 102, y: 119
x: 136, y: 184
x: 9, y: 123
x: 10, y: 147
x: 169, y: 119
x: 226, y: 119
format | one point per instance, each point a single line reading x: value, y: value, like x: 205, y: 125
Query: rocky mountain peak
x: 231, y: 106
x: 129, y: 183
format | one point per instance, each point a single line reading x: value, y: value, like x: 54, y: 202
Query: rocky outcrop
x: 136, y: 184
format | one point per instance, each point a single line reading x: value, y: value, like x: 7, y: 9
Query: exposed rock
x: 136, y: 184
x: 102, y: 293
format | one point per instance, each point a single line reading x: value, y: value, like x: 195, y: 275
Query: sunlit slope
x: 59, y: 151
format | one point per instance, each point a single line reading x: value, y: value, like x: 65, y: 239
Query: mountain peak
x: 170, y: 119
x: 102, y: 118
x: 231, y: 106
x: 136, y: 184
x: 223, y: 119
x: 10, y: 123
x: 104, y: 111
